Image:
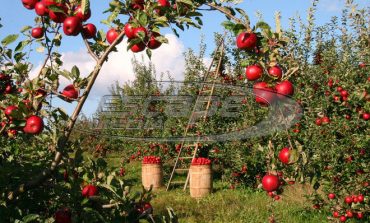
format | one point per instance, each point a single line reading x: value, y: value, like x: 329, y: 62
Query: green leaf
x: 109, y: 179
x: 162, y: 39
x: 63, y: 114
x: 19, y: 56
x: 75, y: 72
x: 228, y: 25
x: 21, y: 45
x: 186, y: 2
x: 149, y: 53
x: 264, y: 26
x: 30, y: 218
x: 55, y: 8
x: 143, y: 19
x: 9, y: 39
x: 85, y: 6
x: 238, y: 28
x: 25, y: 28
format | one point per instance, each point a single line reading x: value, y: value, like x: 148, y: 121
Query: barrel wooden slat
x: 152, y: 174
x: 200, y: 180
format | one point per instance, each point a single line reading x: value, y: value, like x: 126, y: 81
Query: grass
x: 225, y: 205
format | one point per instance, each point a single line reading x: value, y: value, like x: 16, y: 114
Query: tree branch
x: 228, y: 14
x: 62, y: 142
x: 93, y: 55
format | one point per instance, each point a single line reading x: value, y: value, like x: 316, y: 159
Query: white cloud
x: 169, y: 57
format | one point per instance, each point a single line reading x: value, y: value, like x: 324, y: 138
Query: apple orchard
x: 51, y: 172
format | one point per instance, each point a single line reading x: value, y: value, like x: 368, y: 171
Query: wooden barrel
x: 200, y: 180
x: 152, y: 174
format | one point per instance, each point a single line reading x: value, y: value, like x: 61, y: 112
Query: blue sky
x: 14, y: 16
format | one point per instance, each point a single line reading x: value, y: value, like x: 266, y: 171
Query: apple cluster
x: 349, y: 200
x: 143, y: 37
x: 6, y: 84
x: 71, y: 16
x: 201, y: 161
x: 342, y: 96
x: 143, y: 208
x: 151, y: 160
x: 265, y: 93
x: 21, y: 117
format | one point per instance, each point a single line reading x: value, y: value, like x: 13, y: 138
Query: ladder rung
x: 206, y: 91
x: 190, y: 145
x: 199, y: 112
x: 181, y: 170
x: 177, y: 182
x: 186, y: 157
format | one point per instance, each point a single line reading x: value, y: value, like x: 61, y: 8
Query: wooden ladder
x: 195, y: 116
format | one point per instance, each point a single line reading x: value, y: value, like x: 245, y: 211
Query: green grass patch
x: 225, y: 205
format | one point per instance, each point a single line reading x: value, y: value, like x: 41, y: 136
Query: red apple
x: 164, y: 3
x: 246, y: 41
x: 89, y: 190
x: 129, y: 31
x: 284, y: 155
x: 344, y: 93
x: 58, y: 17
x: 63, y: 215
x: 34, y: 125
x: 360, y: 215
x: 335, y: 214
x: 70, y: 92
x: 9, y: 111
x: 137, y: 6
x: 153, y: 43
x: 366, y: 116
x: 72, y: 26
x: 140, y: 30
x: 331, y: 196
x: 41, y: 9
x: 342, y: 218
x: 141, y: 2
x: 37, y: 32
x: 349, y: 214
x: 49, y: 2
x: 275, y: 72
x: 29, y: 4
x: 89, y: 31
x: 138, y: 47
x: 325, y: 120
x: 270, y: 183
x: 348, y: 199
x: 9, y: 89
x: 253, y: 72
x: 360, y: 198
x: 79, y: 13
x: 264, y: 94
x: 284, y: 88
x: 112, y: 35
x: 318, y: 121
x: 4, y: 77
